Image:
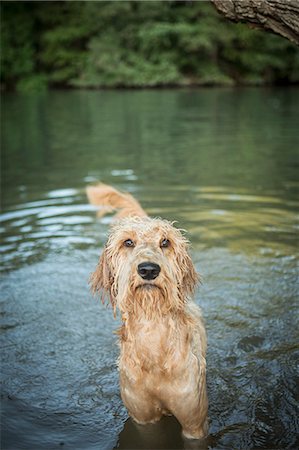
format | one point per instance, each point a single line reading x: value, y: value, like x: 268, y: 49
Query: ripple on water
x: 31, y: 229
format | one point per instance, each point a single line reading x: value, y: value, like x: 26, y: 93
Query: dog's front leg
x: 141, y: 405
x: 191, y: 411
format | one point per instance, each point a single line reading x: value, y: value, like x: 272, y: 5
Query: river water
x: 222, y: 163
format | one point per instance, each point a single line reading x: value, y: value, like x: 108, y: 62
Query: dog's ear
x: 190, y: 276
x: 101, y: 280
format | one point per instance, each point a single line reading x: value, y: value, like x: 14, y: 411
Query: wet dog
x: 147, y: 274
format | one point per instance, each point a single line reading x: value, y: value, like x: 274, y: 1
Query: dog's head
x: 146, y: 265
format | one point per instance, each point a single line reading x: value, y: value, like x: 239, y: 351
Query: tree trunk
x: 279, y: 16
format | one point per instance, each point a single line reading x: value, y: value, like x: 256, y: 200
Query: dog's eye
x: 165, y: 243
x: 129, y: 243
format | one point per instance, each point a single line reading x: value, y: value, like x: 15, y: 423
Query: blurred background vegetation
x: 136, y: 44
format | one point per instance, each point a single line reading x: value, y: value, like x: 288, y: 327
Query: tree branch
x: 279, y: 16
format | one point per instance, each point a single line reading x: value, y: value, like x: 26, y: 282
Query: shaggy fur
x: 162, y: 340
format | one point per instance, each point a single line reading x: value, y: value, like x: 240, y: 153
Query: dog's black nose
x: 148, y: 270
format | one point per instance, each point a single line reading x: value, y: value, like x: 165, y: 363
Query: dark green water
x: 222, y: 163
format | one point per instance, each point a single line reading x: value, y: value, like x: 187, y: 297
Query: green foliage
x: 17, y: 55
x: 136, y: 44
x: 33, y: 83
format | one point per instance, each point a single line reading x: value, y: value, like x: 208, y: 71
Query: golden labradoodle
x: 146, y: 272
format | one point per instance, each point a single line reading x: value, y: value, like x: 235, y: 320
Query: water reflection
x: 204, y: 137
x: 165, y: 435
x: 221, y: 163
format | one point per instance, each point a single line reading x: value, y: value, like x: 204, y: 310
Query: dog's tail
x: 112, y: 199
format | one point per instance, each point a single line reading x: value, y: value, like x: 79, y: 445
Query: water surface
x: 220, y: 162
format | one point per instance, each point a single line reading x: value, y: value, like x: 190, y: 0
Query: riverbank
x: 100, y: 45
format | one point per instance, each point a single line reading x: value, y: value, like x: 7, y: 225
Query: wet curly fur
x: 162, y: 339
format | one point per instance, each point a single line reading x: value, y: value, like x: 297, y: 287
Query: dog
x: 147, y: 274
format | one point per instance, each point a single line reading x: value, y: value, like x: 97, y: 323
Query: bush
x: 136, y: 44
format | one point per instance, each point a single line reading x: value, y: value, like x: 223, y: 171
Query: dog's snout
x: 148, y: 270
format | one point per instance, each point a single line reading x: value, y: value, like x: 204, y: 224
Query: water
x: 220, y: 162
